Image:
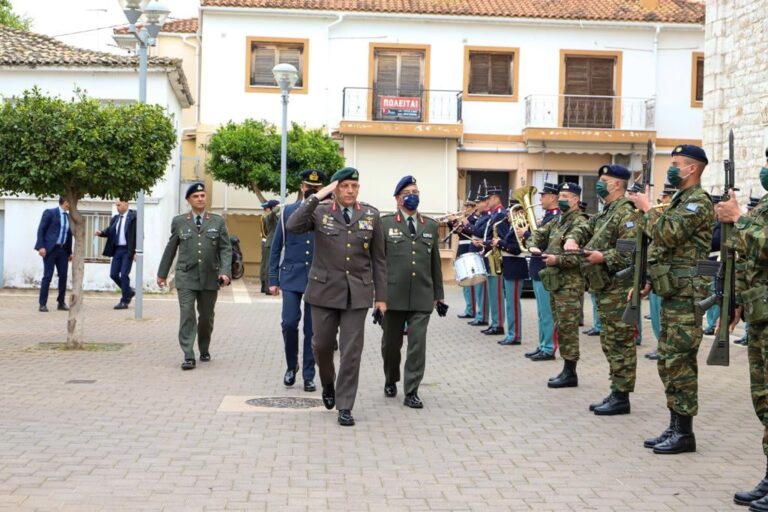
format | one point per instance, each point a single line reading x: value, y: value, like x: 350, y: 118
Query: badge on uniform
x: 692, y: 207
x: 395, y: 233
x: 364, y: 225
x: 630, y: 224
x: 327, y: 219
x: 213, y: 230
x: 365, y: 245
x: 427, y: 235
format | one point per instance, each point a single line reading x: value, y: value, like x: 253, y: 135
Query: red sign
x: 401, y: 106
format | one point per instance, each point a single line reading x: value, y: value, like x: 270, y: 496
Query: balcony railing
x: 596, y: 112
x: 416, y: 106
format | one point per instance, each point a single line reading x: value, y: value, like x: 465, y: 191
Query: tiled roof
x: 185, y: 26
x: 673, y: 11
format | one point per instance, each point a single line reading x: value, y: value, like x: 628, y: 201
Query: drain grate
x: 285, y: 402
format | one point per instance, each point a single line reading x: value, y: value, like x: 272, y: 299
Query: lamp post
x: 152, y: 15
x: 285, y: 76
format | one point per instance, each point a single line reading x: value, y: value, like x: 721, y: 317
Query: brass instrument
x: 521, y: 215
x: 494, y: 254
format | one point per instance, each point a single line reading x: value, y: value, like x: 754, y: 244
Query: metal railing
x: 598, y: 112
x: 390, y: 104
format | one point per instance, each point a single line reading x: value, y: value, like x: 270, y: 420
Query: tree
x: 247, y: 155
x: 81, y: 148
x: 11, y: 19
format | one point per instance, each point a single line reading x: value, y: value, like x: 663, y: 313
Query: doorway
x: 477, y: 180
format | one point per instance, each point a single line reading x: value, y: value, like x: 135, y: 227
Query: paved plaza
x: 146, y: 436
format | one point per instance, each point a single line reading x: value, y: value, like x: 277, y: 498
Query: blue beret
x: 615, y: 171
x: 312, y: 177
x: 574, y: 188
x: 691, y: 151
x: 404, y: 182
x: 195, y: 187
x: 549, y: 188
x: 270, y: 204
x: 347, y: 173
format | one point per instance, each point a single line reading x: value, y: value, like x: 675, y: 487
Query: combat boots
x: 653, y: 441
x: 681, y: 440
x: 567, y: 378
x: 757, y: 494
x: 618, y: 403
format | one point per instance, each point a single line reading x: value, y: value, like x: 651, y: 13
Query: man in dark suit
x: 348, y: 273
x: 121, y: 247
x: 54, y: 245
x: 289, y: 261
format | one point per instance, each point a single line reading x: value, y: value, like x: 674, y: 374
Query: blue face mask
x: 411, y: 202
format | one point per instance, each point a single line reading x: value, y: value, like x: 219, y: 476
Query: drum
x: 469, y: 269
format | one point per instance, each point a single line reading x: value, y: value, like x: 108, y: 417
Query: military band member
x: 681, y: 236
x: 289, y: 261
x: 464, y: 246
x: 484, y: 233
x: 618, y: 220
x: 204, y: 263
x: 514, y: 270
x: 562, y: 278
x: 472, y: 230
x: 268, y: 224
x: 348, y: 273
x: 414, y: 286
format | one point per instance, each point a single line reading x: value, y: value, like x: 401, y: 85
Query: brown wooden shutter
x: 700, y: 79
x: 262, y: 62
x: 292, y: 55
x: 501, y: 67
x: 479, y: 66
x: 410, y: 74
x: 386, y: 74
x: 584, y: 77
x: 576, y: 76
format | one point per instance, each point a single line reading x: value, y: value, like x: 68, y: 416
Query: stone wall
x: 736, y: 90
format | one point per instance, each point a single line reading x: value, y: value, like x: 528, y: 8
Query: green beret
x: 347, y: 173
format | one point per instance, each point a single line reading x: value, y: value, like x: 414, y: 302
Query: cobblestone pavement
x: 147, y: 436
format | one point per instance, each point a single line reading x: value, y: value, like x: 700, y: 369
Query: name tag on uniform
x: 395, y: 233
x: 630, y: 224
x: 427, y: 235
x: 364, y: 225
x: 213, y: 230
x: 692, y: 207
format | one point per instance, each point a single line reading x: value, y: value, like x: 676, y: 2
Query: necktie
x: 64, y: 228
x: 198, y: 222
x: 411, y: 227
x: 345, y: 213
x: 119, y: 225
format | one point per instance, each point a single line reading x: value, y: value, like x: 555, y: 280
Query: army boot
x: 568, y: 377
x: 653, y: 441
x: 595, y: 405
x: 757, y: 494
x: 760, y: 505
x: 618, y: 403
x: 682, y: 439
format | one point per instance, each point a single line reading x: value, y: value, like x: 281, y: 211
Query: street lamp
x: 286, y: 76
x: 152, y: 14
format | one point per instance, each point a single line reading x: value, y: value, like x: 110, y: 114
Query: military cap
x: 493, y: 191
x: 615, y: 171
x: 404, y: 182
x: 574, y: 188
x: 691, y: 151
x: 549, y: 188
x: 346, y: 173
x: 668, y: 190
x: 312, y: 177
x: 270, y: 204
x: 195, y: 187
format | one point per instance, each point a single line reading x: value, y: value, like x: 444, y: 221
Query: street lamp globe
x: 154, y: 17
x: 286, y: 76
x: 132, y: 9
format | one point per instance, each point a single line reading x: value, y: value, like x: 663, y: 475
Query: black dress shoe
x: 329, y: 398
x: 484, y: 331
x: 390, y: 390
x: 345, y: 418
x: 121, y: 305
x: 533, y: 353
x: 188, y: 364
x: 289, y: 379
x: 494, y: 331
x: 647, y: 317
x: 43, y: 309
x: 205, y: 357
x: 132, y: 294
x: 654, y: 356
x: 617, y: 403
x: 709, y: 331
x: 309, y: 386
x: 475, y: 323
x: 542, y: 356
x: 62, y: 307
x: 592, y: 332
x: 741, y: 341
x: 413, y: 401
x: 506, y: 341
x: 466, y: 316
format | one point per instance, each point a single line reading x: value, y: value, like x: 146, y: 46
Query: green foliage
x: 11, y: 19
x: 247, y: 155
x: 82, y: 147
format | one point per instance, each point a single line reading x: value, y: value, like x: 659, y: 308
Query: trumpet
x: 451, y: 216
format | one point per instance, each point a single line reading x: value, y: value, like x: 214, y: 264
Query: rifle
x: 725, y: 276
x: 639, y: 265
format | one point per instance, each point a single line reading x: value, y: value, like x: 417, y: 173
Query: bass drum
x: 469, y: 269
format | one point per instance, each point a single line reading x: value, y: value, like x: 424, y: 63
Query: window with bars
x: 263, y: 55
x: 95, y: 244
x: 491, y: 73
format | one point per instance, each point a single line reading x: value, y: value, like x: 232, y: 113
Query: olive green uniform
x: 204, y: 253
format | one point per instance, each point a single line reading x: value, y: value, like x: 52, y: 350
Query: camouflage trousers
x: 757, y: 353
x: 681, y: 334
x: 566, y: 310
x: 617, y: 339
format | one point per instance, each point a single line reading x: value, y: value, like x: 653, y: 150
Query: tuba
x: 521, y: 215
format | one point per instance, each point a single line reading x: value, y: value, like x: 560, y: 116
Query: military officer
x: 204, y: 263
x: 514, y: 270
x: 289, y: 261
x: 348, y: 273
x: 414, y: 286
x: 562, y: 279
x: 618, y: 220
x: 681, y: 236
x: 484, y: 233
x: 268, y: 224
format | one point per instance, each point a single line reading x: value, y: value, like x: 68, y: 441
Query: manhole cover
x: 285, y: 402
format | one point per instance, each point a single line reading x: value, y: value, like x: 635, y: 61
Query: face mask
x: 601, y: 188
x: 764, y: 177
x: 309, y: 192
x: 563, y: 205
x: 673, y: 176
x: 411, y: 202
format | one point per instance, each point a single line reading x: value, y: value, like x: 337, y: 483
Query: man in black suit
x: 121, y: 247
x: 54, y: 245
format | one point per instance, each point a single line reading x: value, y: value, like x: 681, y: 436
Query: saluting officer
x: 289, y: 261
x: 681, y: 236
x: 348, y: 273
x: 414, y: 286
x: 204, y: 263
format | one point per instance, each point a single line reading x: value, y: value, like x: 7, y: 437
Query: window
x: 590, y: 82
x: 398, y: 81
x: 263, y: 54
x: 490, y: 74
x: 95, y: 244
x: 697, y: 80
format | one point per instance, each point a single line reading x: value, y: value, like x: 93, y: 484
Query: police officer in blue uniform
x: 289, y: 261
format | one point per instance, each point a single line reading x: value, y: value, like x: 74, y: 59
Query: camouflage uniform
x: 565, y: 299
x: 681, y: 236
x: 618, y: 221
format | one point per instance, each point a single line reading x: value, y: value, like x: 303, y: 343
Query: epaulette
x: 368, y: 205
x: 390, y: 214
x: 428, y: 218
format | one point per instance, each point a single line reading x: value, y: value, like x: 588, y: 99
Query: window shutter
x: 386, y: 74
x: 699, y: 79
x: 262, y: 62
x: 410, y: 74
x: 501, y: 67
x: 292, y: 55
x: 576, y: 76
x: 601, y: 77
x: 479, y: 65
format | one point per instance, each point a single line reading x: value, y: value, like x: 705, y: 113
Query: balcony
x: 399, y: 112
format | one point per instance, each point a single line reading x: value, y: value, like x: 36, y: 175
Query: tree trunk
x: 258, y: 193
x: 75, y: 320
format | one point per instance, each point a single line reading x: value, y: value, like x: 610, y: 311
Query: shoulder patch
x: 629, y: 224
x: 692, y: 207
